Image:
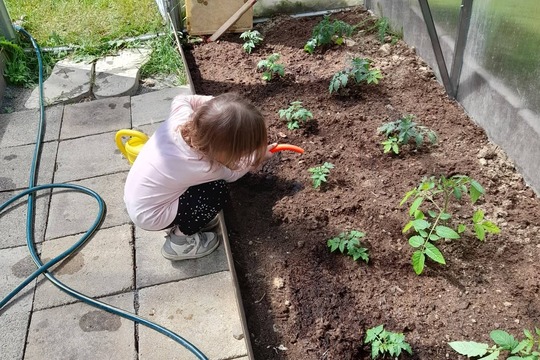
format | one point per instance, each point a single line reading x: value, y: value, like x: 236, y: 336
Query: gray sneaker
x: 182, y: 247
x: 211, y: 225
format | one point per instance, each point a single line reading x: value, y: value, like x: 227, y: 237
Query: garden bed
x: 303, y: 302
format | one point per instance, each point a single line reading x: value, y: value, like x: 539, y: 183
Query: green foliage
x: 383, y: 29
x: 295, y: 114
x: 22, y: 67
x: 165, y: 59
x: 405, y: 131
x: 351, y: 242
x: 431, y: 217
x: 328, y: 33
x: 526, y: 349
x: 386, y: 342
x: 360, y: 71
x: 320, y: 173
x: 251, y: 38
x: 270, y: 67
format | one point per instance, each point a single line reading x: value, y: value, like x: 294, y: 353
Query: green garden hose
x: 30, y: 242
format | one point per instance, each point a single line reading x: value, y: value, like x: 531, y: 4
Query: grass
x: 95, y: 28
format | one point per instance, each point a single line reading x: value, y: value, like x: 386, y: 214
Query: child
x: 178, y: 180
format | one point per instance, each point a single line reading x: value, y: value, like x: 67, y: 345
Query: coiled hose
x: 30, y: 242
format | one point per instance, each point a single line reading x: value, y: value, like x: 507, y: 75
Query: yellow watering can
x: 133, y: 145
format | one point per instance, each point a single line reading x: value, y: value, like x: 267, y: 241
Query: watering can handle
x: 130, y: 133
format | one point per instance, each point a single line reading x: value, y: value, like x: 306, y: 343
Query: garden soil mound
x: 303, y: 302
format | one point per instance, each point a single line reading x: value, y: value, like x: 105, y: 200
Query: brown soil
x: 317, y: 304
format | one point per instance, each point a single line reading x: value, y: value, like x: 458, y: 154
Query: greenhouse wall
x: 265, y: 8
x: 499, y: 85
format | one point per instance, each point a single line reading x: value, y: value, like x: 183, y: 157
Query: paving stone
x: 161, y: 100
x: 104, y: 266
x: 66, y: 217
x: 20, y: 128
x: 149, y: 129
x: 87, y: 157
x: 69, y: 82
x: 79, y: 331
x: 15, y: 266
x: 15, y: 163
x: 96, y: 117
x: 153, y: 268
x: 202, y: 310
x: 13, y: 219
x: 119, y: 75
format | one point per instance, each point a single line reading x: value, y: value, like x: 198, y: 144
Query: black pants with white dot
x: 200, y: 204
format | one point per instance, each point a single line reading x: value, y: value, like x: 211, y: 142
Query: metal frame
x: 450, y: 82
x: 6, y: 28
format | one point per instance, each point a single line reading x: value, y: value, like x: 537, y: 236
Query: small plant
x: 351, y: 242
x: 270, y: 67
x: 328, y: 33
x: 383, y: 28
x: 320, y: 173
x: 435, y: 194
x: 405, y: 131
x: 251, y: 38
x: 295, y: 114
x: 386, y: 342
x: 360, y: 71
x: 526, y: 349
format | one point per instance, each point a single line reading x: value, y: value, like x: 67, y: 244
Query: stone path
x: 121, y: 265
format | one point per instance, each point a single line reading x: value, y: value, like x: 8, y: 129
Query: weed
x: 386, y: 342
x: 270, y: 67
x: 360, y: 71
x: 320, y: 173
x: 435, y: 194
x: 526, y: 349
x: 295, y: 114
x: 402, y: 132
x: 351, y: 242
x: 251, y: 38
x: 165, y: 59
x: 328, y: 33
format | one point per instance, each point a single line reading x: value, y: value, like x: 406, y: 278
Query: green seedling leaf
x: 432, y: 213
x: 493, y: 356
x: 371, y: 334
x: 446, y: 233
x: 420, y: 224
x: 445, y: 216
x: 491, y: 227
x: 461, y: 228
x: 418, y: 260
x: 522, y: 345
x: 415, y: 205
x: 503, y: 339
x: 469, y: 348
x: 478, y: 216
x: 476, y: 191
x: 479, y: 231
x: 407, y: 196
x: 416, y: 241
x: 407, y: 227
x: 434, y: 254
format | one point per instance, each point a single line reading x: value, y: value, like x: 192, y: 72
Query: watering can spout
x: 133, y: 145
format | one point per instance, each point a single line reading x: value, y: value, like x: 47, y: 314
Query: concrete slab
x: 153, y: 268
x: 13, y: 335
x: 20, y: 128
x: 88, y: 157
x: 104, y: 266
x: 203, y: 310
x: 15, y: 163
x: 69, y: 82
x: 96, y: 117
x: 74, y: 212
x: 13, y: 219
x: 119, y: 75
x: 149, y: 129
x: 80, y: 331
x: 142, y: 114
x: 15, y: 266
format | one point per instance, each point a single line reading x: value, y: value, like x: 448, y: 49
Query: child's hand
x: 268, y: 153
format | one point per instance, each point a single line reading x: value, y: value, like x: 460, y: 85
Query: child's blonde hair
x: 229, y: 128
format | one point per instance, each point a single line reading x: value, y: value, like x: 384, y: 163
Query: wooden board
x: 204, y: 17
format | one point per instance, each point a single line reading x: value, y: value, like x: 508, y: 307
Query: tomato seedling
x: 360, y: 72
x: 270, y: 67
x: 251, y: 38
x: 405, y: 131
x: 295, y: 115
x: 320, y: 173
x: 349, y: 241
